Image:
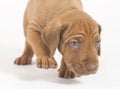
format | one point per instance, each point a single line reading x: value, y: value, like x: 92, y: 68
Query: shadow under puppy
x: 64, y: 25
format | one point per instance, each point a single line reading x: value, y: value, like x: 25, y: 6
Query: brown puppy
x: 62, y: 24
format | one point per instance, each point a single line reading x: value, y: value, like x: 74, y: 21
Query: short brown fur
x: 62, y: 24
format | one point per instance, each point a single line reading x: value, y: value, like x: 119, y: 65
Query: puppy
x: 62, y: 24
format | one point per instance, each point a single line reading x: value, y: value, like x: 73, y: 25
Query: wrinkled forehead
x: 86, y: 28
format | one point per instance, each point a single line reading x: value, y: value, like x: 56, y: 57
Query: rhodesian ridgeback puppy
x: 62, y: 24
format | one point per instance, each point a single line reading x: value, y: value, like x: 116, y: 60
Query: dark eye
x: 74, y: 44
x: 98, y: 43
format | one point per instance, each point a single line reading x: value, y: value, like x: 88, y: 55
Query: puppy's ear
x: 51, y: 34
x: 99, y: 50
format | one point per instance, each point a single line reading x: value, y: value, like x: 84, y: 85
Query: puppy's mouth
x: 78, y: 72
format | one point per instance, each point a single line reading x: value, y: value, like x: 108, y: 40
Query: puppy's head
x: 77, y: 36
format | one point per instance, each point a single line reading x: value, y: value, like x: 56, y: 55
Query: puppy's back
x: 47, y: 9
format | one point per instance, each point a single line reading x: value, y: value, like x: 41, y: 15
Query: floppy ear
x: 51, y: 34
x: 99, y: 50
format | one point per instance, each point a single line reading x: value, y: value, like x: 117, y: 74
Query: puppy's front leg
x: 26, y: 57
x: 40, y: 49
x: 64, y: 72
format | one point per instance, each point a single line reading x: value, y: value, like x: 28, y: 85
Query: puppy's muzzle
x: 85, y: 68
x: 88, y: 69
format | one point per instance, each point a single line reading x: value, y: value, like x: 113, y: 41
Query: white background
x: 105, y: 12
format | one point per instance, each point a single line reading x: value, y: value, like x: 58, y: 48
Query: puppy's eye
x: 74, y: 44
x: 98, y: 43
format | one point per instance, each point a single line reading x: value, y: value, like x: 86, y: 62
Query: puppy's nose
x: 91, y: 68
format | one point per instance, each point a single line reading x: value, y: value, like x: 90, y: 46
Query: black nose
x: 91, y: 68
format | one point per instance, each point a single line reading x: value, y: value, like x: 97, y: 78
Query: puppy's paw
x: 65, y: 73
x: 46, y: 62
x: 23, y: 60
